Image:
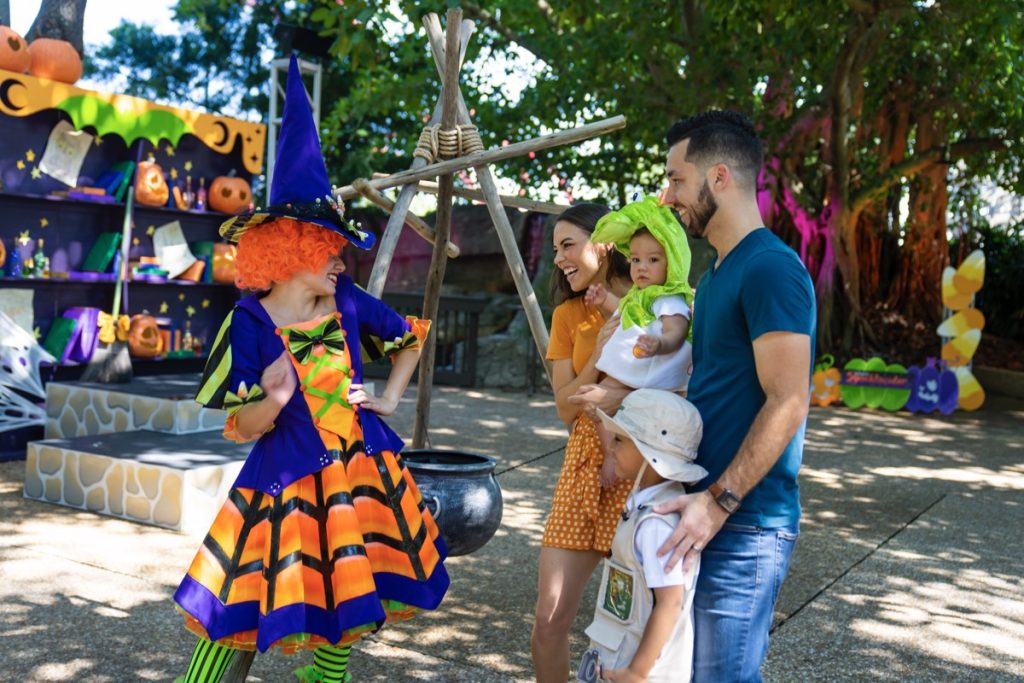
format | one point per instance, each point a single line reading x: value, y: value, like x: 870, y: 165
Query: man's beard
x: 703, y: 212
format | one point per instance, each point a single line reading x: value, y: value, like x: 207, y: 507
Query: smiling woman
x: 587, y: 499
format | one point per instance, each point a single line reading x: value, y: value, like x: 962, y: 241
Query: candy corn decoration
x: 961, y: 332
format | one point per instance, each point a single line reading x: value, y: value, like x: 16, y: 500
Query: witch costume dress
x: 324, y: 536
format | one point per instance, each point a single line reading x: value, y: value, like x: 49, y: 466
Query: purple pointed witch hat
x: 300, y: 189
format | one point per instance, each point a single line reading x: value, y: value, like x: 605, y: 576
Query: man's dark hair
x: 721, y: 136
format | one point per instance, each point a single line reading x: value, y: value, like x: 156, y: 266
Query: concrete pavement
x: 908, y: 567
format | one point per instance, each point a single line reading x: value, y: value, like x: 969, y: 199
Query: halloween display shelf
x: 66, y: 157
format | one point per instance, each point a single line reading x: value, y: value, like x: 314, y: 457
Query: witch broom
x: 110, y: 363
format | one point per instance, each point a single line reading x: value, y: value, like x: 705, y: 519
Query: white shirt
x: 670, y: 372
x: 650, y: 536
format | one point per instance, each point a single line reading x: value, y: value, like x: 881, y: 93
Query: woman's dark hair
x: 585, y: 216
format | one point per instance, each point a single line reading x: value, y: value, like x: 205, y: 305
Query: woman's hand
x: 383, y: 405
x: 607, y: 398
x: 278, y: 380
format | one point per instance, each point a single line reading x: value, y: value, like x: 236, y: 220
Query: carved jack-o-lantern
x: 55, y: 59
x: 150, y: 185
x: 224, y: 263
x: 14, y: 54
x: 144, y: 339
x: 228, y: 194
x: 825, y: 382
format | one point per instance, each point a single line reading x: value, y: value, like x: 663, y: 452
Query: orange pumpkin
x: 229, y: 194
x: 224, y: 263
x: 150, y: 185
x: 14, y: 54
x: 55, y: 59
x: 144, y: 339
x: 825, y: 382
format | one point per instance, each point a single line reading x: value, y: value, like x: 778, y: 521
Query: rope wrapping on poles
x: 435, y: 143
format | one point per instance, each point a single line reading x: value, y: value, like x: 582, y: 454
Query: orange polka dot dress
x: 583, y: 514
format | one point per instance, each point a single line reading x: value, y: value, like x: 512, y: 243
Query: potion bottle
x: 39, y: 260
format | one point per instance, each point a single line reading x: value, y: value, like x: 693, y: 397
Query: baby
x: 649, y: 349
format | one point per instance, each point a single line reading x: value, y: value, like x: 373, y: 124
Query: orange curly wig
x: 275, y: 251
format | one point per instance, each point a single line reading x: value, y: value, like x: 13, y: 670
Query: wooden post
x: 239, y: 667
x: 418, y: 225
x: 478, y: 195
x: 389, y: 240
x: 442, y: 232
x: 534, y: 316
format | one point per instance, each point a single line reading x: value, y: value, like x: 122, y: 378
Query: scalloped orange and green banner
x: 131, y: 118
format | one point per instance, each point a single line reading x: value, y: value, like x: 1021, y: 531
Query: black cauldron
x: 461, y: 492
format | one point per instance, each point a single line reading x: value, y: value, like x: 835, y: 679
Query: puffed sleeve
x: 382, y: 332
x: 233, y: 370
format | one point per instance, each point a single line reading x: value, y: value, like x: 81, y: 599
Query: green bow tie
x: 328, y: 333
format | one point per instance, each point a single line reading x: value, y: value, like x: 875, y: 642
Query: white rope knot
x: 435, y: 143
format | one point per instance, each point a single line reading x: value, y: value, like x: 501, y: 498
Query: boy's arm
x: 667, y: 611
x: 674, y: 329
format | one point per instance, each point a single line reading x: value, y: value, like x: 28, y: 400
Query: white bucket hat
x: 666, y: 429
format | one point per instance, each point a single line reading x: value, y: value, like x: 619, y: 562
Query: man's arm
x: 783, y: 362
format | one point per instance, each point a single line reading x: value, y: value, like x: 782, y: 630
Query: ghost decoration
x: 933, y: 388
x: 20, y: 356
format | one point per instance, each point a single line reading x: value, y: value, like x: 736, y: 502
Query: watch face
x: 728, y: 500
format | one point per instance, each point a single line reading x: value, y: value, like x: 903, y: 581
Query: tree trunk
x: 61, y: 20
x: 917, y: 290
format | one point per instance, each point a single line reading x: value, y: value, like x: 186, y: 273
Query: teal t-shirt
x: 761, y: 286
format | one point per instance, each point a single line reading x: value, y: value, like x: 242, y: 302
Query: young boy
x: 643, y: 624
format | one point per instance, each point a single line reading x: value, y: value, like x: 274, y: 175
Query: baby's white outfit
x: 670, y: 372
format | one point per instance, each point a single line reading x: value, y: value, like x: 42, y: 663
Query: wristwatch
x: 725, y: 498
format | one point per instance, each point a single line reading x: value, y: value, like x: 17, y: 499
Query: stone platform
x: 163, y: 403
x: 170, y: 480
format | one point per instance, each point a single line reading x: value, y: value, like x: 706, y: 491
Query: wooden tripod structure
x: 449, y: 50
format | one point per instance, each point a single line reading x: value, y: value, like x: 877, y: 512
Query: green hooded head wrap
x: 618, y: 228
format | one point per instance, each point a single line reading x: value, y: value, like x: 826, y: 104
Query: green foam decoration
x: 886, y: 398
x: 89, y: 110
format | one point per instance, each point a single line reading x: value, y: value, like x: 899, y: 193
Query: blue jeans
x: 741, y: 572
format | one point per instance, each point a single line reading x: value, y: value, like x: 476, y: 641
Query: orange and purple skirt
x: 332, y: 557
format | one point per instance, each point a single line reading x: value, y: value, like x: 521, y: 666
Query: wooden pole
x: 478, y: 195
x: 238, y: 669
x: 490, y: 156
x: 418, y: 225
x: 389, y: 241
x: 442, y: 230
x: 534, y: 316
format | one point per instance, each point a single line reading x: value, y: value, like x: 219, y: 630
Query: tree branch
x: 474, y: 11
x: 908, y: 168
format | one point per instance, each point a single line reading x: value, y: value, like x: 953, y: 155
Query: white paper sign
x: 172, y: 249
x: 65, y: 153
x: 17, y: 303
